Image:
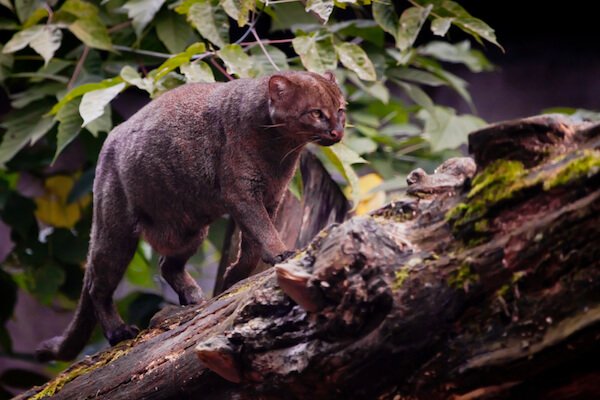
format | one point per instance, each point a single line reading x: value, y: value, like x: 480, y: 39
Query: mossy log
x: 477, y: 284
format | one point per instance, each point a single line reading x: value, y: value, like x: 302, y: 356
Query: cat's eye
x: 317, y: 114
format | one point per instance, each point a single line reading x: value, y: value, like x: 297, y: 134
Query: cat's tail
x: 67, y: 346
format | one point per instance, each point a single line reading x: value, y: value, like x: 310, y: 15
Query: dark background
x: 551, y: 59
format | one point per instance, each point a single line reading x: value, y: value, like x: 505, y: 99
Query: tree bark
x: 469, y: 287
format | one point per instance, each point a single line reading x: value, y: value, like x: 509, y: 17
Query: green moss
x: 585, y: 163
x: 503, y: 180
x: 82, y: 368
x: 498, y: 182
x: 463, y: 278
x: 516, y: 277
x: 482, y: 225
x: 395, y: 212
x: 503, y: 290
x: 401, y: 276
x: 240, y: 289
x: 496, y: 177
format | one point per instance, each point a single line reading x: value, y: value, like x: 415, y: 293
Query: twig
x: 143, y: 52
x: 221, y: 69
x: 255, y: 18
x: 118, y: 27
x: 50, y: 12
x: 78, y: 67
x: 269, y: 2
x: 264, y: 50
x: 200, y: 56
x: 267, y: 41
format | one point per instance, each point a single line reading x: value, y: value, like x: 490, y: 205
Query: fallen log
x: 482, y: 282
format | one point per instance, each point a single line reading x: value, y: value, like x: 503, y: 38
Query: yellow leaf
x: 52, y: 207
x: 369, y: 201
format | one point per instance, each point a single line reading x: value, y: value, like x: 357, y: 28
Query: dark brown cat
x: 190, y: 156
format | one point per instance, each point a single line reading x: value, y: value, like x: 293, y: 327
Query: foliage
x: 65, y: 65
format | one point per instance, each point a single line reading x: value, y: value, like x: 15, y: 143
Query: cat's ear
x: 280, y: 87
x: 330, y: 76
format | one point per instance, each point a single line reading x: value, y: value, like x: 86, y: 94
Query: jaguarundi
x: 188, y: 157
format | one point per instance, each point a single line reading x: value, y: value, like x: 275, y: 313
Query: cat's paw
x: 48, y: 349
x: 123, y: 332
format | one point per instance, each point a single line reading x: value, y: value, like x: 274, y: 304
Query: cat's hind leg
x: 175, y: 252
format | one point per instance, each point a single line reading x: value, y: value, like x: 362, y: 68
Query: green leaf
x: 198, y: 71
x: 376, y: 89
x: 81, y: 90
x: 416, y: 94
x: 262, y: 63
x: 462, y: 19
x: 445, y: 129
x: 79, y: 9
x: 140, y: 271
x: 449, y: 8
x: 6, y: 63
x: 131, y: 76
x: 296, y: 186
x: 477, y: 27
x: 93, y: 103
x: 21, y: 39
x: 411, y: 21
x: 35, y: 17
x: 34, y: 93
x: 69, y: 126
x: 8, y: 25
x: 322, y: 8
x: 174, y: 62
x: 457, y: 53
x: 208, y: 18
x: 440, y: 26
x: 173, y: 31
x: 417, y: 76
x: 361, y: 28
x: 456, y: 83
x: 316, y: 55
x: 25, y: 8
x: 47, y: 42
x: 23, y: 127
x: 355, y: 59
x: 92, y: 32
x: 7, y: 4
x: 385, y: 15
x: 142, y: 12
x: 236, y: 61
x: 287, y: 15
x: 342, y: 158
x: 46, y: 281
x: 102, y: 123
x: 238, y: 9
x: 361, y: 145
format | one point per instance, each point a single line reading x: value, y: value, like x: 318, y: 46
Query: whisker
x: 272, y: 126
x: 291, y: 151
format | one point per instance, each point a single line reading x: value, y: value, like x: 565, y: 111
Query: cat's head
x: 307, y: 106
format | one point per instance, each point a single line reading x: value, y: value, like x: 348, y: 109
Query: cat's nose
x: 336, y: 134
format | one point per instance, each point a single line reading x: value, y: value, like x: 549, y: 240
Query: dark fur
x: 190, y: 156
